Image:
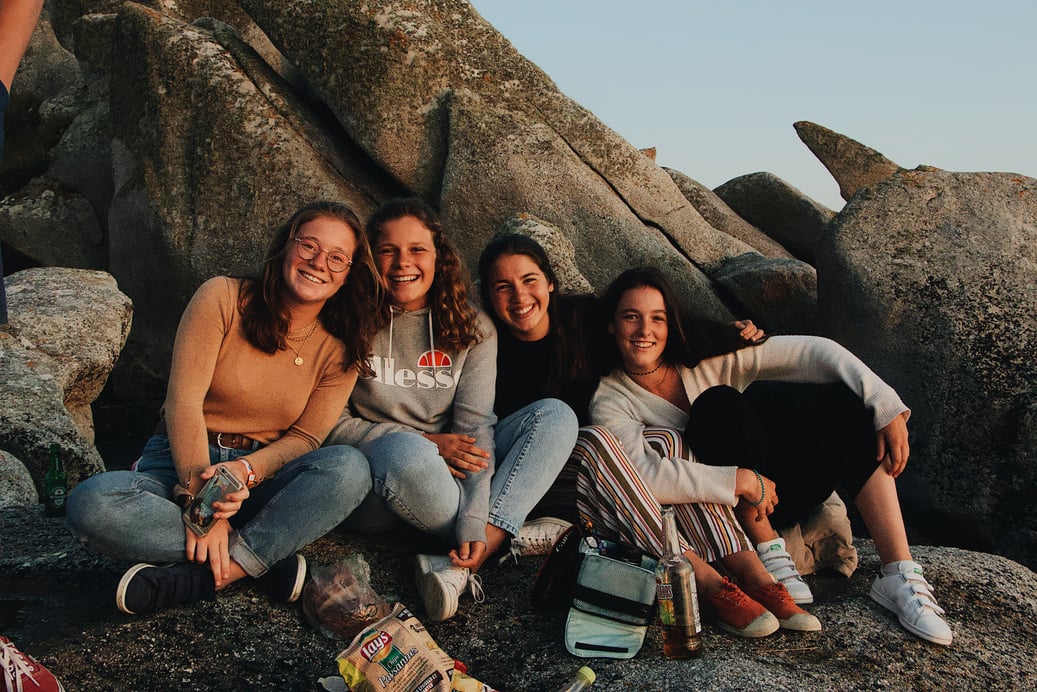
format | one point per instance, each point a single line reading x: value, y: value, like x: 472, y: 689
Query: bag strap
x: 556, y: 580
x: 612, y: 602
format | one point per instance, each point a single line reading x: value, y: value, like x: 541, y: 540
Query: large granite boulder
x: 447, y: 106
x: 778, y: 209
x: 180, y: 132
x: 852, y: 164
x: 211, y: 152
x: 723, y: 218
x: 67, y: 327
x: 931, y: 277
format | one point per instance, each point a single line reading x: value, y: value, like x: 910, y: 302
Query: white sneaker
x: 910, y: 596
x: 779, y: 563
x: 441, y: 582
x: 536, y: 537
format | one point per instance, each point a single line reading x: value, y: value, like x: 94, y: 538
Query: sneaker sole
x: 802, y: 600
x: 120, y: 590
x: 435, y: 597
x: 300, y: 580
x: 801, y: 622
x: 762, y: 626
x: 891, y: 606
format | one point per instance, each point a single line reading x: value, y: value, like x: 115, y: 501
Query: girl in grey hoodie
x: 425, y: 418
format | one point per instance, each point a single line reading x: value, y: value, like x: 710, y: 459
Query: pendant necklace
x: 298, y: 355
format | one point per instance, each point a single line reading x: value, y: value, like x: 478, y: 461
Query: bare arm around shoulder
x: 17, y: 20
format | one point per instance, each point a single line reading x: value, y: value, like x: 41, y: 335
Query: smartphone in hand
x: 198, y: 514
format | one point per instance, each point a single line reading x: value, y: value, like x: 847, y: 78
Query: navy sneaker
x: 284, y: 581
x: 145, y: 588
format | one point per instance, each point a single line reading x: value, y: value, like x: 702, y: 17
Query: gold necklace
x: 298, y: 355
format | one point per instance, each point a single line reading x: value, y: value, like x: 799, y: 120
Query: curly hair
x: 349, y: 315
x: 453, y: 316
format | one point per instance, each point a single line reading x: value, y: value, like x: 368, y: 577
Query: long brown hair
x: 349, y: 315
x: 453, y: 316
x: 572, y: 356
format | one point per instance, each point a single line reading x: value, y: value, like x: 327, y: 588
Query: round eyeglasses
x: 308, y: 249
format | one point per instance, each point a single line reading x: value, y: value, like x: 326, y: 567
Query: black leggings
x: 810, y: 439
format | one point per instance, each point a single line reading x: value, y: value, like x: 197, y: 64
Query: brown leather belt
x: 224, y: 440
x: 233, y: 441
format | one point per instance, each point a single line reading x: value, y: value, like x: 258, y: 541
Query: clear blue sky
x: 716, y: 85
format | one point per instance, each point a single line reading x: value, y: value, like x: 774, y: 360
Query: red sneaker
x: 20, y: 669
x: 740, y: 615
x: 777, y: 599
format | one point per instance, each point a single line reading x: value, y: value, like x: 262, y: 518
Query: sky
x: 715, y: 85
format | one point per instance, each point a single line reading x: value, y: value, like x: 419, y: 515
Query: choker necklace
x: 298, y: 356
x: 646, y: 372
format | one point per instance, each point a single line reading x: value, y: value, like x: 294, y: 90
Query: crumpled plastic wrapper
x: 338, y: 600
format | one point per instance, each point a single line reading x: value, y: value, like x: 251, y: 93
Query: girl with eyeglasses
x: 261, y: 369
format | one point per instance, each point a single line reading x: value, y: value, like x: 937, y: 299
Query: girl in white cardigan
x: 656, y: 381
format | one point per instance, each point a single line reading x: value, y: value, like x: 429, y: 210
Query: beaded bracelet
x: 763, y: 489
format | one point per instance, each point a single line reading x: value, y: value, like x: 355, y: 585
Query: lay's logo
x: 378, y: 642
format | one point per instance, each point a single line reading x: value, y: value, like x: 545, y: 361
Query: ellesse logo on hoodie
x: 434, y: 370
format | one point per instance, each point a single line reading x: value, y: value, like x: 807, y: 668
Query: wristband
x: 183, y: 499
x: 763, y: 490
x: 250, y: 477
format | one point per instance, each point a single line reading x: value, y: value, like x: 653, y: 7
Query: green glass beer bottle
x: 55, y: 485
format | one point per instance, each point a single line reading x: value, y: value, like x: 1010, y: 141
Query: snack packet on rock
x: 396, y: 654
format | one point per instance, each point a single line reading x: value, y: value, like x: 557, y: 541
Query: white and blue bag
x: 613, y: 602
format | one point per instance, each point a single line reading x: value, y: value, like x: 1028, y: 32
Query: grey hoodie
x: 419, y: 388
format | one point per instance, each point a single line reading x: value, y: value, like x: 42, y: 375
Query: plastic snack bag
x: 338, y: 599
x: 396, y: 654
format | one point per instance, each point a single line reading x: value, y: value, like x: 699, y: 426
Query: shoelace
x: 729, y: 594
x: 475, y: 586
x: 16, y: 666
x: 539, y: 544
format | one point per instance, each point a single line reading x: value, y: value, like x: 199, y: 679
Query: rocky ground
x: 56, y: 601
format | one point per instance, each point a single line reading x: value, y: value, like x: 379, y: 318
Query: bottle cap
x: 587, y: 674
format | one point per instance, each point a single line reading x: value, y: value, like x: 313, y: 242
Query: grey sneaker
x: 779, y: 563
x: 536, y: 537
x: 441, y: 582
x: 910, y: 596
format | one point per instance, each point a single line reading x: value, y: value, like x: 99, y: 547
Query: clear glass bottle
x: 583, y: 679
x: 677, y: 596
x: 55, y: 485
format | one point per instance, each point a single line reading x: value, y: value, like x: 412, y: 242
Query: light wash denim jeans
x: 412, y: 482
x: 130, y: 515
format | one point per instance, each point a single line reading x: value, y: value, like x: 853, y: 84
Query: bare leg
x: 747, y: 568
x: 758, y: 531
x: 707, y: 579
x: 879, y: 507
x: 495, y: 537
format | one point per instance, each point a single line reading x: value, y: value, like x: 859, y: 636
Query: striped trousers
x: 612, y: 497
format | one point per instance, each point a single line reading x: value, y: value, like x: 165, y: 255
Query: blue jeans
x: 412, y: 482
x: 130, y: 515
